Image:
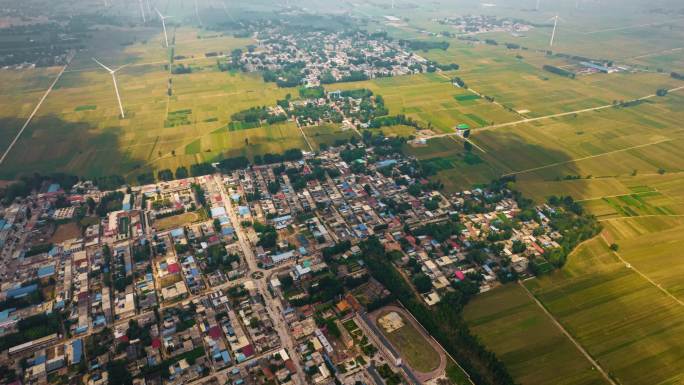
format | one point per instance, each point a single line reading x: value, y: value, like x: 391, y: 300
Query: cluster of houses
x: 330, y: 57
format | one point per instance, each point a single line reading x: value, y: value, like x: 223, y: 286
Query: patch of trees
x: 289, y: 155
x: 268, y: 237
x: 254, y: 116
x: 34, y: 182
x: 677, y: 76
x: 231, y: 164
x: 201, y: 169
x: 311, y: 92
x: 661, y: 92
x: 31, y: 328
x: 439, y: 231
x: 180, y: 69
x: 423, y: 45
x: 113, y: 201
x: 290, y: 75
x: 559, y: 71
x: 459, y: 82
x: 165, y: 175
x: 218, y: 258
x: 336, y: 249
x: 199, y: 195
x: 444, y: 322
x: 386, y: 121
x: 351, y: 154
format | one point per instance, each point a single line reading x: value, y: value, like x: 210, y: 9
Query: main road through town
x: 272, y: 305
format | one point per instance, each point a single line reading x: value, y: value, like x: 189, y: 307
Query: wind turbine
x: 163, y: 18
x: 553, y: 33
x: 197, y: 14
x: 116, y: 87
x: 142, y: 11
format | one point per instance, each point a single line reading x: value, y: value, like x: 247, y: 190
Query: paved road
x: 272, y: 307
x: 16, y: 138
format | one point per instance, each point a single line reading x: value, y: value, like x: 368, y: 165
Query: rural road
x: 562, y: 329
x: 16, y: 138
x: 545, y: 117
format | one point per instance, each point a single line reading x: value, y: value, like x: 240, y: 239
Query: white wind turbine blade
x: 118, y: 97
x: 103, y: 66
x: 166, y: 38
x: 553, y: 33
x: 142, y: 11
x: 117, y: 70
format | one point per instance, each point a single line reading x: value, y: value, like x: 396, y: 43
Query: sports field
x: 534, y: 350
x: 412, y: 346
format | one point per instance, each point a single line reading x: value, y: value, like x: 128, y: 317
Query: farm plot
x: 430, y: 100
x: 534, y: 350
x: 455, y: 167
x: 628, y: 325
x: 20, y: 92
x: 83, y: 113
x: 653, y: 246
x: 327, y: 135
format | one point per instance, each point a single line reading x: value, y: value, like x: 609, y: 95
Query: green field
x: 534, y: 350
x: 431, y: 100
x: 327, y: 134
x: 413, y: 347
x: 626, y: 323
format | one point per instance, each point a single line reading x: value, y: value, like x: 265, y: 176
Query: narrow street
x: 272, y: 305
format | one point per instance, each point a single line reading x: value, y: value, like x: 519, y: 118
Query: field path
x: 545, y: 117
x: 562, y: 329
x: 644, y: 276
x: 47, y: 92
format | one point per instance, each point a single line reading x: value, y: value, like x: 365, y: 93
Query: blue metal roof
x: 77, y: 346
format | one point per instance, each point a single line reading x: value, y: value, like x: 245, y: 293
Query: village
x: 292, y: 56
x: 253, y: 276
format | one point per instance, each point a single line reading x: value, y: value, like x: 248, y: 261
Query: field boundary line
x: 545, y: 117
x: 40, y: 103
x: 468, y: 141
x: 644, y: 276
x: 567, y: 334
x: 304, y: 135
x: 633, y: 26
x: 588, y: 157
x: 617, y: 196
x: 642, y: 216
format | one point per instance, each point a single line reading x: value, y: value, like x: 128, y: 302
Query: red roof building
x: 173, y: 268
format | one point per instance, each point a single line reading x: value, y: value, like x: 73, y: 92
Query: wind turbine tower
x: 163, y: 20
x: 142, y: 11
x: 116, y: 87
x: 553, y: 33
x: 537, y: 7
x: 197, y: 14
